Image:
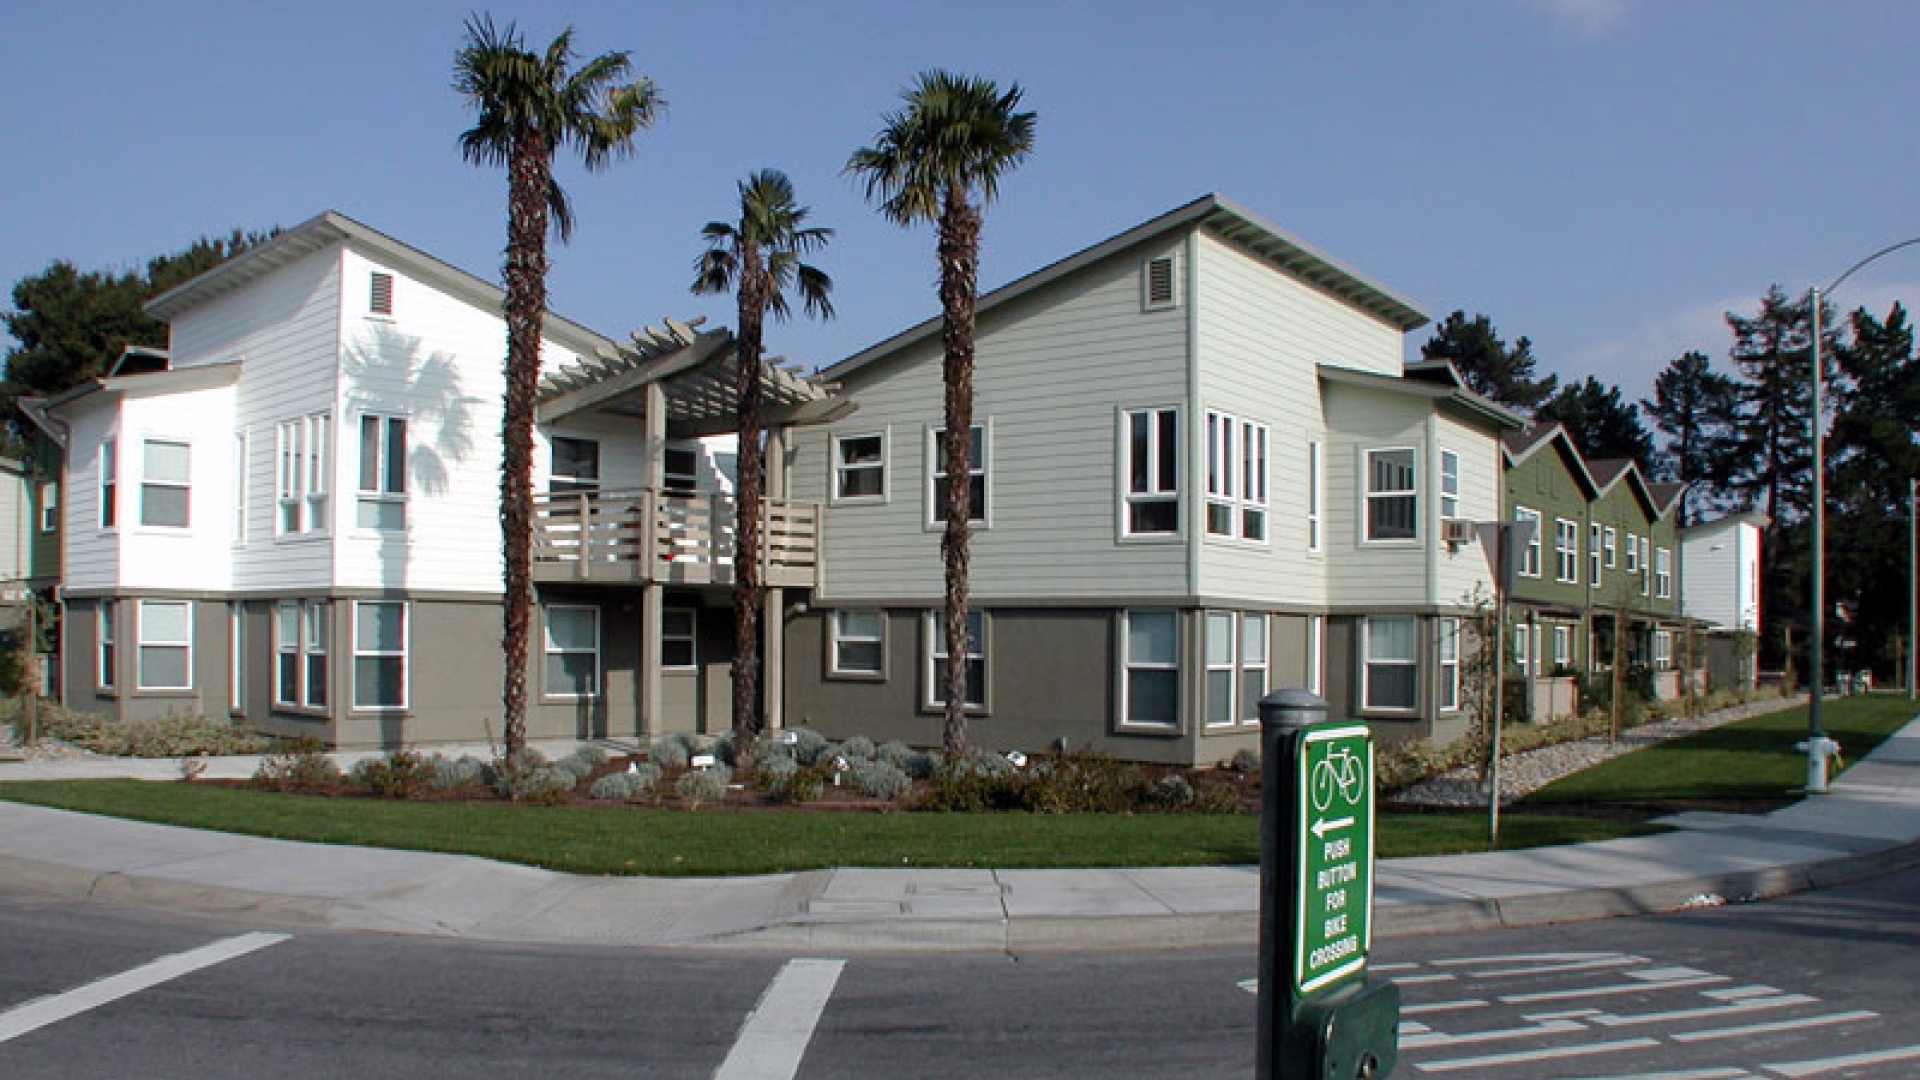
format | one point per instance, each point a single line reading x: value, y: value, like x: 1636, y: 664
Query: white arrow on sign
x: 1321, y: 828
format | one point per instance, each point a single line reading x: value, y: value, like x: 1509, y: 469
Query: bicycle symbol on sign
x: 1338, y: 771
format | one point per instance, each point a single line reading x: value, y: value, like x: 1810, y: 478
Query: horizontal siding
x: 1377, y: 574
x: 194, y: 558
x: 1462, y: 576
x: 1053, y: 371
x: 92, y: 557
x: 1295, y: 322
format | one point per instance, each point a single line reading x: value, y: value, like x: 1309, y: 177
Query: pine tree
x: 1695, y: 408
x: 1601, y: 425
x: 1488, y: 366
x: 1773, y: 442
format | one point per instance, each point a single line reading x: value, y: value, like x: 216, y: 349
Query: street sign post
x: 1319, y: 1016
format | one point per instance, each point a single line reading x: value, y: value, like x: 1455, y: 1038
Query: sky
x: 1605, y: 177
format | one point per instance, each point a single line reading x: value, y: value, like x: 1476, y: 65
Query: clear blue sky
x: 1605, y: 176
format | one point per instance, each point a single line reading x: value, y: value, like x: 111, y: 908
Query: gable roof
x: 1610, y: 471
x: 333, y: 227
x: 1218, y: 216
x: 1518, y: 446
x: 1666, y: 495
x: 1481, y: 408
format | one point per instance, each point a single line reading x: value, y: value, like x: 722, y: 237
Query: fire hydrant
x: 1819, y: 751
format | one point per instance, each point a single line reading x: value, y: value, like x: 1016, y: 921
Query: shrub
x: 1173, y: 792
x: 635, y: 783
x: 970, y: 792
x: 880, y: 779
x: 528, y: 777
x: 299, y: 766
x: 1213, y: 795
x: 703, y: 785
x: 894, y: 752
x: 767, y: 752
x: 167, y: 736
x: 923, y: 764
x: 1085, y: 781
x: 973, y: 761
x: 722, y: 749
x: 583, y: 761
x: 401, y: 774
x: 670, y: 752
x: 789, y: 781
x: 457, y: 774
x: 857, y: 748
x: 1245, y: 761
x: 808, y: 745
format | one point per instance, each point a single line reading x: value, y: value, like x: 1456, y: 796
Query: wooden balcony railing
x: 643, y: 536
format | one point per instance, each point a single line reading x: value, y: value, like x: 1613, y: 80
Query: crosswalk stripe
x: 37, y: 1014
x: 776, y: 1033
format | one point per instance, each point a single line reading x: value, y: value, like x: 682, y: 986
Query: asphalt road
x: 1773, y: 991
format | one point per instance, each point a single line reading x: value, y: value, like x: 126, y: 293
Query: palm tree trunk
x: 530, y: 172
x: 746, y: 518
x: 959, y: 271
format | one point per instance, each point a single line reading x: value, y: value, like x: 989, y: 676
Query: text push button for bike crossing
x: 1334, y: 907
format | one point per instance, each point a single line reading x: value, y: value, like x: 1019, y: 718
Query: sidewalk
x: 1868, y: 824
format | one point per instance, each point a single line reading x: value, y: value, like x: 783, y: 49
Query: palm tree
x: 760, y: 256
x: 954, y: 140
x: 529, y: 105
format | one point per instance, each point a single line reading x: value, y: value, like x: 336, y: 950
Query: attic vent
x: 1159, y: 283
x: 380, y: 298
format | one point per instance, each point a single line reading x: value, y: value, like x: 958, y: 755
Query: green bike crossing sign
x: 1333, y: 911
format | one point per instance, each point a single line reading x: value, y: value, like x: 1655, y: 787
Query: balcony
x: 641, y: 537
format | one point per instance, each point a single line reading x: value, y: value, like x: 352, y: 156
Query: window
x: 103, y: 653
x: 380, y: 294
x: 165, y: 477
x: 379, y: 654
x: 109, y: 482
x: 1646, y: 564
x: 1593, y: 556
x: 1253, y: 666
x: 1663, y: 573
x: 679, y: 631
x: 239, y: 488
x: 1222, y: 651
x: 1449, y: 484
x: 301, y: 474
x: 1448, y: 631
x: 1562, y: 647
x: 976, y: 660
x: 1530, y: 557
x: 1522, y: 647
x: 1236, y: 477
x: 976, y: 477
x: 383, y: 473
x: 1392, y: 663
x: 237, y: 657
x: 860, y: 467
x: 1313, y: 496
x: 1150, y: 642
x: 572, y: 651
x: 1151, y: 501
x: 166, y: 645
x: 859, y: 645
x: 49, y: 506
x: 1611, y: 541
x: 300, y: 653
x: 575, y: 465
x: 1392, y: 508
x: 1566, y: 550
x: 1316, y: 627
x: 1633, y: 554
x: 1158, y: 284
x: 1663, y: 650
x: 679, y: 470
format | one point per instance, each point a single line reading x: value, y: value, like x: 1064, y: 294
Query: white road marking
x: 1443, y: 1006
x: 1440, y: 1038
x: 1735, y: 993
x: 1826, y: 1065
x: 1492, y: 1061
x: 1669, y: 974
x: 1415, y: 980
x: 1380, y: 968
x: 1527, y: 958
x: 1776, y: 1026
x: 1714, y: 1072
x: 778, y: 1029
x: 37, y: 1014
x: 1251, y: 986
x: 1571, y: 965
x: 1707, y: 1013
x: 1617, y: 988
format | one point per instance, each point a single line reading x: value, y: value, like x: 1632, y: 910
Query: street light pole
x: 1913, y: 583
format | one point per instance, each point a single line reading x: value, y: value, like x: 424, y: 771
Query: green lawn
x: 677, y: 843
x: 1752, y: 760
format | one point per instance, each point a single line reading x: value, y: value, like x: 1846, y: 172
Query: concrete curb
x: 118, y: 887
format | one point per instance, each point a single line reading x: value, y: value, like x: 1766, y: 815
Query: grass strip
x: 671, y: 843
x: 1748, y: 760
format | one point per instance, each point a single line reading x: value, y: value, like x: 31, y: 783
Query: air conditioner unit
x: 1456, y: 532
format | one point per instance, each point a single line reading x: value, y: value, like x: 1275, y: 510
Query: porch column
x: 773, y: 631
x: 654, y: 598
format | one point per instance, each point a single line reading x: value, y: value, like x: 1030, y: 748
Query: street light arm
x: 1888, y: 250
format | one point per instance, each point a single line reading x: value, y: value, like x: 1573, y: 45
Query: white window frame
x: 389, y: 479
x: 285, y: 695
x: 1237, y: 471
x: 1566, y: 551
x: 236, y: 658
x: 49, y: 506
x: 308, y: 648
x: 316, y: 624
x: 1594, y: 554
x: 1315, y: 493
x: 1371, y: 496
x: 843, y: 469
x: 145, y: 643
x: 359, y: 654
x: 838, y: 635
x: 1128, y: 666
x: 1368, y: 662
x: 1449, y: 485
x: 1612, y: 541
x: 1663, y: 573
x: 1663, y: 650
x: 978, y: 515
x: 1562, y: 646
x: 1646, y: 565
x: 933, y: 629
x: 1316, y: 655
x: 690, y: 637
x: 1154, y: 489
x: 550, y: 651
x: 1212, y: 621
x: 1523, y: 651
x: 109, y: 483
x: 1531, y: 558
x: 1253, y: 662
x: 302, y: 461
x: 105, y: 646
x: 147, y: 480
x: 1633, y: 554
x: 1447, y: 655
x: 240, y: 443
